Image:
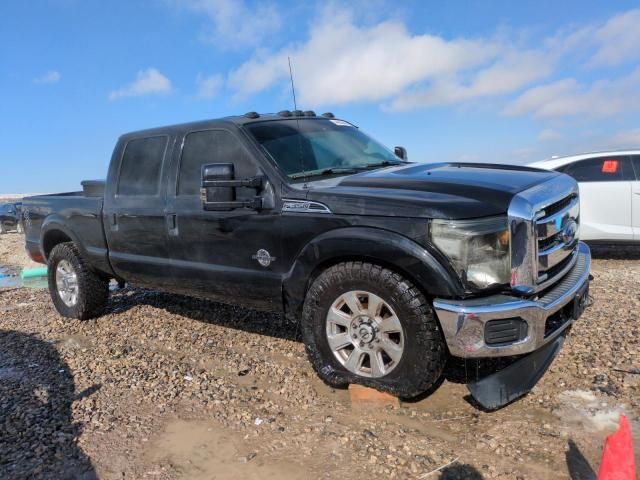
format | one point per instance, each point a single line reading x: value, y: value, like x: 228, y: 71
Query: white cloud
x: 549, y: 135
x: 618, y: 40
x: 52, y: 76
x: 508, y: 74
x: 567, y: 97
x: 147, y: 82
x: 234, y: 24
x: 605, y: 44
x: 208, y: 87
x: 342, y: 62
x: 627, y: 139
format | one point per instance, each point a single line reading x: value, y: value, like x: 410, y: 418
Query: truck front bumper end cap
x: 463, y: 321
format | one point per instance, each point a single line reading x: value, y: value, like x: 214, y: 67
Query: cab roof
x: 238, y: 120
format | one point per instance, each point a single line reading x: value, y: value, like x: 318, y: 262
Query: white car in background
x: 609, y: 193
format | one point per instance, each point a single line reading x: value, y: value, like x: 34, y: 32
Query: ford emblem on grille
x: 569, y: 231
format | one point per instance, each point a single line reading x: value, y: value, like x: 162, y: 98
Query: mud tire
x: 93, y: 292
x: 425, y: 351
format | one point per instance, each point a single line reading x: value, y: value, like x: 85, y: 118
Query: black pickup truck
x: 390, y: 266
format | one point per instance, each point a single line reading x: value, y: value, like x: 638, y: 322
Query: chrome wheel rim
x: 67, y: 283
x: 365, y: 334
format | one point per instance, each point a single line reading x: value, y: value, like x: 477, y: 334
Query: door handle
x: 172, y: 223
x: 113, y: 220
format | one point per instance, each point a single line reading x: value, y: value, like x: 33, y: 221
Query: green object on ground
x: 34, y: 272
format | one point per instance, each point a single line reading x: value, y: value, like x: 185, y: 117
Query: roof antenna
x: 293, y: 89
x: 295, y: 108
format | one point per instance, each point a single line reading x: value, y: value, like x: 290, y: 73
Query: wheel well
x: 51, y: 239
x: 321, y: 267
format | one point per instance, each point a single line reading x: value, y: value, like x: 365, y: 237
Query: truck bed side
x: 63, y: 217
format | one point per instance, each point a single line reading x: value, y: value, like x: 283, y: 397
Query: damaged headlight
x: 479, y: 250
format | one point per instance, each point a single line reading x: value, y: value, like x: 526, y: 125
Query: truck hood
x: 443, y: 190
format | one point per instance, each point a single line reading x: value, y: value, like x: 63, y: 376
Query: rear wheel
x: 366, y: 324
x: 76, y: 290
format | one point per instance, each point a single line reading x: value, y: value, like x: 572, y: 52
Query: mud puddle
x: 10, y: 277
x: 594, y: 413
x: 202, y: 450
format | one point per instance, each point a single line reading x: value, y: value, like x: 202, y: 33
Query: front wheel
x: 20, y: 228
x: 365, y: 324
x: 76, y: 290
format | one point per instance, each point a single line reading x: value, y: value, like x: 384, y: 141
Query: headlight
x: 478, y: 249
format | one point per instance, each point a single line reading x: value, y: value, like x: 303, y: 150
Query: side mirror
x: 401, y: 152
x: 218, y: 190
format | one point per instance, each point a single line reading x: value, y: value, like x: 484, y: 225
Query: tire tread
x: 431, y: 350
x: 93, y: 292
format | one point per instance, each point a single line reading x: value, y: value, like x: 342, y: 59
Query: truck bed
x: 77, y: 215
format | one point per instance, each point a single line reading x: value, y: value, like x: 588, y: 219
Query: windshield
x: 309, y: 147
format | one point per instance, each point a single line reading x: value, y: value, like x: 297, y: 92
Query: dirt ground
x: 12, y: 252
x: 165, y: 387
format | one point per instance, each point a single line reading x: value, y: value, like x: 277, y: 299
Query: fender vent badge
x: 303, y: 206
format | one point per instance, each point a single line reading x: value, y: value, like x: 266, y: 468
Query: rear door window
x: 141, y: 166
x: 601, y: 169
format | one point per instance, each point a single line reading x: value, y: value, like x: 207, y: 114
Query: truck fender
x: 388, y: 249
x: 54, y: 225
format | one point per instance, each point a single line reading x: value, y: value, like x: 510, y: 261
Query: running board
x: 503, y: 387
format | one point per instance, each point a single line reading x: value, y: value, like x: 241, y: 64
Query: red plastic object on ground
x: 618, y: 462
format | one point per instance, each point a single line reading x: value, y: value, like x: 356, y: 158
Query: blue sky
x: 475, y: 81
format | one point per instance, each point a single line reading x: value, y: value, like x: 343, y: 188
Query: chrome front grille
x: 544, y: 225
x: 557, y: 230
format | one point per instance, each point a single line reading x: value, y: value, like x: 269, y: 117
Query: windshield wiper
x: 326, y: 171
x: 339, y: 170
x: 384, y: 163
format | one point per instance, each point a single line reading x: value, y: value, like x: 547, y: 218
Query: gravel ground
x: 165, y: 386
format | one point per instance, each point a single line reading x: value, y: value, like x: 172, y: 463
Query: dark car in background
x: 11, y: 217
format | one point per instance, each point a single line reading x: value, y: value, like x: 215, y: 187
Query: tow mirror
x: 401, y: 152
x: 219, y: 186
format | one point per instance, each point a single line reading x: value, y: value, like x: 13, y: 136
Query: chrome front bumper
x: 463, y: 321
